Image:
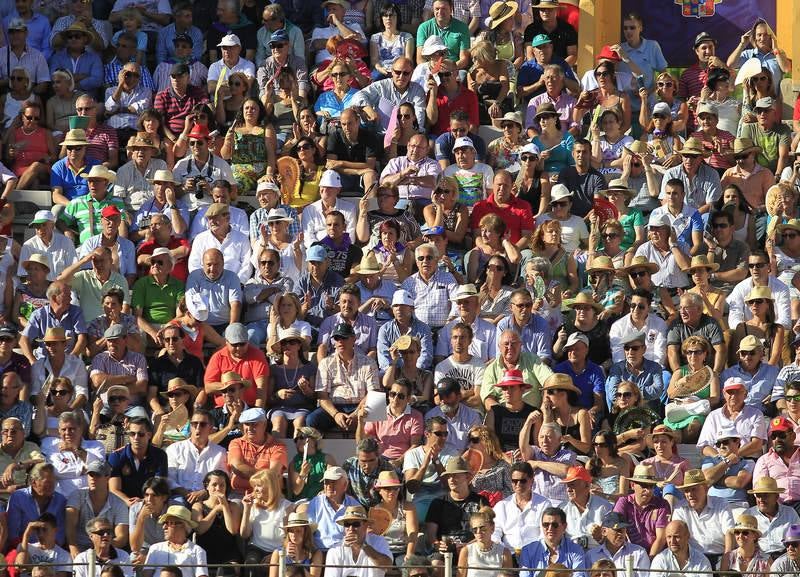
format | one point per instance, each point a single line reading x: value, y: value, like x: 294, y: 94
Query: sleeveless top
x: 384, y: 258
x: 220, y: 545
x: 760, y: 563
x: 533, y: 194
x: 741, y: 233
x: 451, y: 219
x: 29, y: 148
x: 490, y: 560
x: 249, y: 148
x: 395, y: 533
x: 508, y: 424
x: 558, y: 268
x: 608, y: 485
x: 314, y: 483
x: 505, y: 50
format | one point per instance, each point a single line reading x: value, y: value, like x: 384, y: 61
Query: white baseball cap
x: 463, y: 142
x: 402, y: 297
x: 331, y: 178
x: 230, y: 40
x: 433, y: 44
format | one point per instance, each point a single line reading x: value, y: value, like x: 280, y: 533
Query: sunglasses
x: 171, y: 339
x: 665, y: 84
x: 602, y: 73
x: 559, y: 203
x: 351, y: 524
x: 638, y: 306
x: 277, y: 45
x: 32, y: 118
x: 550, y: 525
x: 396, y: 395
x: 441, y: 191
x: 158, y: 262
x: 758, y: 265
x: 553, y: 392
x: 474, y: 440
x: 639, y: 274
x: 117, y: 399
x: 60, y: 393
x: 426, y: 258
x: 757, y: 302
x: 339, y: 74
x: 401, y: 72
x: 747, y: 353
x: 632, y: 347
x: 609, y: 235
x: 194, y: 143
x: 528, y: 158
x: 778, y: 435
x: 266, y: 262
x: 74, y: 148
x: 199, y: 424
x: 623, y: 395
x: 692, y: 352
x: 305, y: 146
x: 521, y: 481
x: 174, y: 394
x: 440, y: 434
x: 102, y: 532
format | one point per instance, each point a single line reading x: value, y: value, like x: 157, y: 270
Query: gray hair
x: 73, y: 417
x: 693, y: 298
x: 555, y: 427
x: 541, y: 264
x: 368, y: 445
x: 90, y: 524
x: 55, y: 288
x: 427, y: 246
x: 39, y: 469
x: 554, y: 68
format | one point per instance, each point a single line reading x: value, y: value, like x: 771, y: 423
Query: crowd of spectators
x: 513, y: 286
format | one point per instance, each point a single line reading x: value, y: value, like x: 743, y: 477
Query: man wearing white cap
x: 670, y: 254
x: 483, y: 345
x: 59, y: 250
x: 161, y: 200
x: 475, y: 179
x: 268, y: 196
x: 314, y: 226
x: 231, y: 61
x: 328, y: 507
x: 404, y: 323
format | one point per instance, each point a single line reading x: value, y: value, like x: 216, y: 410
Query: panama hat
x: 100, y: 171
x: 744, y: 146
x: 644, y: 474
x: 75, y: 137
x: 601, y: 264
x: 368, y: 265
x: 747, y: 523
x: 701, y: 261
x: 765, y: 485
x: 501, y: 11
x: 37, y: 258
x: 387, y: 479
x: 694, y: 147
x: 180, y: 513
x: 297, y: 519
x: 693, y: 478
x: 178, y: 384
x: 759, y: 292
x: 792, y: 224
x: 618, y: 185
x: 584, y: 299
x: 640, y: 261
x: 353, y: 513
x: 560, y: 381
x: 163, y: 175
x: 142, y: 140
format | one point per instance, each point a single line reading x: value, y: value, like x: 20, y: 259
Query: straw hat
x: 233, y: 378
x: 501, y: 11
x: 584, y: 299
x: 75, y: 137
x: 100, y: 171
x: 287, y: 335
x: 560, y: 381
x: 747, y: 523
x: 601, y: 264
x: 353, y: 513
x: 693, y: 478
x: 637, y: 147
x: 765, y: 485
x: 38, y: 258
x: 759, y: 292
x: 640, y: 261
x: 142, y: 140
x: 644, y: 474
x: 178, y: 384
x: 180, y: 513
x: 792, y: 224
x: 54, y: 334
x: 694, y: 147
x: 296, y: 519
x: 163, y: 175
x: 368, y: 265
x: 663, y: 430
x: 545, y: 108
x: 387, y: 479
x: 744, y: 146
x: 701, y: 261
x: 618, y: 185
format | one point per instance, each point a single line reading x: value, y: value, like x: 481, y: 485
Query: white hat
x: 402, y: 297
x: 658, y: 220
x: 530, y: 148
x: 196, y: 305
x: 558, y: 192
x: 230, y: 40
x: 334, y: 473
x: 433, y: 44
x: 278, y: 215
x: 42, y: 216
x: 465, y: 291
x: 162, y: 250
x: 267, y: 185
x: 576, y: 338
x: 331, y: 178
x: 463, y: 142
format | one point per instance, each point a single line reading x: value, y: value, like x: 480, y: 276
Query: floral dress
x: 506, y: 156
x: 248, y: 161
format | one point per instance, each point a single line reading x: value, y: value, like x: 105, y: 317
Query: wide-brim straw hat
x: 37, y: 258
x: 289, y: 334
x: 694, y: 147
x: 759, y: 292
x: 369, y: 265
x: 766, y: 485
x: 747, y: 523
x: 560, y: 381
x: 601, y: 264
x: 644, y: 474
x: 178, y: 384
x: 142, y: 140
x: 618, y: 185
x: 692, y: 478
x: 100, y: 171
x: 180, y: 513
x: 501, y: 11
x: 163, y: 175
x: 584, y: 299
x: 792, y: 224
x: 701, y: 261
x: 353, y: 513
x: 388, y: 479
x: 297, y: 519
x: 640, y: 261
x: 744, y: 146
x: 75, y: 137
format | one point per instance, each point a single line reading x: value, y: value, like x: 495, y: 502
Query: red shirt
x: 466, y: 101
x: 180, y: 269
x: 569, y: 14
x: 252, y: 367
x: 517, y: 215
x: 796, y: 115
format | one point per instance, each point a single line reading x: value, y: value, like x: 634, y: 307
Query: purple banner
x: 665, y: 22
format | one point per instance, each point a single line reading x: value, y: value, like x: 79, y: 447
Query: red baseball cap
x: 780, y: 424
x: 110, y: 211
x: 607, y: 54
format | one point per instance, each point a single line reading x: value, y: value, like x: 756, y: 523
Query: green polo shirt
x: 534, y: 371
x: 90, y: 291
x: 158, y: 302
x: 76, y: 214
x: 455, y: 37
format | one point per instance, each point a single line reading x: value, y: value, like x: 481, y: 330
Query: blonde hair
x: 490, y: 441
x: 485, y: 514
x: 636, y: 391
x: 268, y: 480
x: 537, y: 240
x: 484, y: 50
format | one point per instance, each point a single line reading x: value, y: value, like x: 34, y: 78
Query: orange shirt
x: 253, y: 366
x: 257, y: 456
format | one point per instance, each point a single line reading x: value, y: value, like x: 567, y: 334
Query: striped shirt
x: 111, y: 75
x: 77, y: 214
x: 432, y: 299
x: 102, y: 138
x: 175, y: 108
x: 198, y: 75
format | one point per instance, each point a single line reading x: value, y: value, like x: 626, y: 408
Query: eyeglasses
x: 519, y: 481
x: 60, y: 392
x: 194, y: 143
x: 199, y: 424
x: 351, y: 524
x: 102, y: 532
x: 158, y: 262
x: 610, y: 235
x: 474, y: 440
x: 692, y: 352
x: 396, y: 395
x: 602, y: 73
x: 528, y: 157
x: 404, y: 116
x: 117, y: 399
x: 638, y: 306
x: 74, y: 148
x: 632, y: 347
x: 757, y: 302
x: 32, y: 118
x: 665, y: 84
x: 623, y: 395
x: 401, y: 72
x: 747, y: 353
x: 171, y: 339
x: 550, y: 525
x: 426, y: 258
x: 339, y: 74
x: 639, y: 274
x: 720, y: 225
x: 778, y: 435
x: 440, y: 434
x: 305, y: 146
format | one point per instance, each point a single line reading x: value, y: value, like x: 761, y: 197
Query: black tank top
x: 508, y: 424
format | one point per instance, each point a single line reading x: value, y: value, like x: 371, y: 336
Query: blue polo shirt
x: 590, y: 381
x: 329, y: 533
x: 72, y: 184
x: 531, y: 71
x: 22, y: 509
x: 43, y: 319
x: 123, y: 465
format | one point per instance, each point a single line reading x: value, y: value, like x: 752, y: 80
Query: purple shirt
x: 565, y: 104
x: 547, y: 484
x: 132, y: 364
x: 644, y: 520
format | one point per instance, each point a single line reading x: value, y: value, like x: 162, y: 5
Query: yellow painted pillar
x: 599, y: 25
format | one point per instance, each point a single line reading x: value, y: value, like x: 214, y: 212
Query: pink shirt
x: 395, y: 433
x: 787, y: 477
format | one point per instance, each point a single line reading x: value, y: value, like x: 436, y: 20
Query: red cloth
x: 257, y: 456
x: 29, y: 148
x: 796, y: 115
x: 252, y: 367
x: 518, y: 215
x: 466, y: 101
x: 180, y: 270
x: 570, y: 14
x: 363, y: 69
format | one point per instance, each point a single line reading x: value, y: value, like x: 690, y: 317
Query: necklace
x: 26, y: 133
x: 293, y: 379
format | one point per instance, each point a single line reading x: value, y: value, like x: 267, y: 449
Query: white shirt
x: 69, y: 468
x: 740, y: 313
x: 215, y: 169
x: 654, y: 327
x: 187, y: 465
x: 707, y: 528
x: 482, y: 347
x: 362, y: 566
x: 666, y: 565
x: 749, y: 423
x: 60, y: 254
x: 573, y: 231
x: 773, y: 530
x: 81, y: 564
x: 239, y: 221
x: 641, y: 560
x: 580, y: 524
x: 220, y: 71
x: 74, y: 369
x: 313, y: 220
x: 235, y: 248
x: 669, y: 274
x: 515, y: 527
x: 191, y: 555
x: 267, y: 533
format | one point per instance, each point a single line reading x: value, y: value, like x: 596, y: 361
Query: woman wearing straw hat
x: 700, y: 270
x: 503, y: 152
x: 31, y: 294
x: 631, y: 219
x: 501, y: 21
x: 173, y: 426
x: 747, y: 557
x: 762, y: 326
x: 554, y: 143
x: 601, y: 273
x: 299, y: 548
x: 291, y: 382
x: 400, y: 522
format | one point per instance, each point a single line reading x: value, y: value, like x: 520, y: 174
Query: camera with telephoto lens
x: 145, y: 221
x: 198, y: 191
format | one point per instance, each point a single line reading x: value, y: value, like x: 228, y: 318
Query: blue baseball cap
x: 432, y: 230
x: 278, y: 36
x: 316, y: 253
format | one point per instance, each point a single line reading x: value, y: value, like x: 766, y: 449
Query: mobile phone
x: 640, y: 81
